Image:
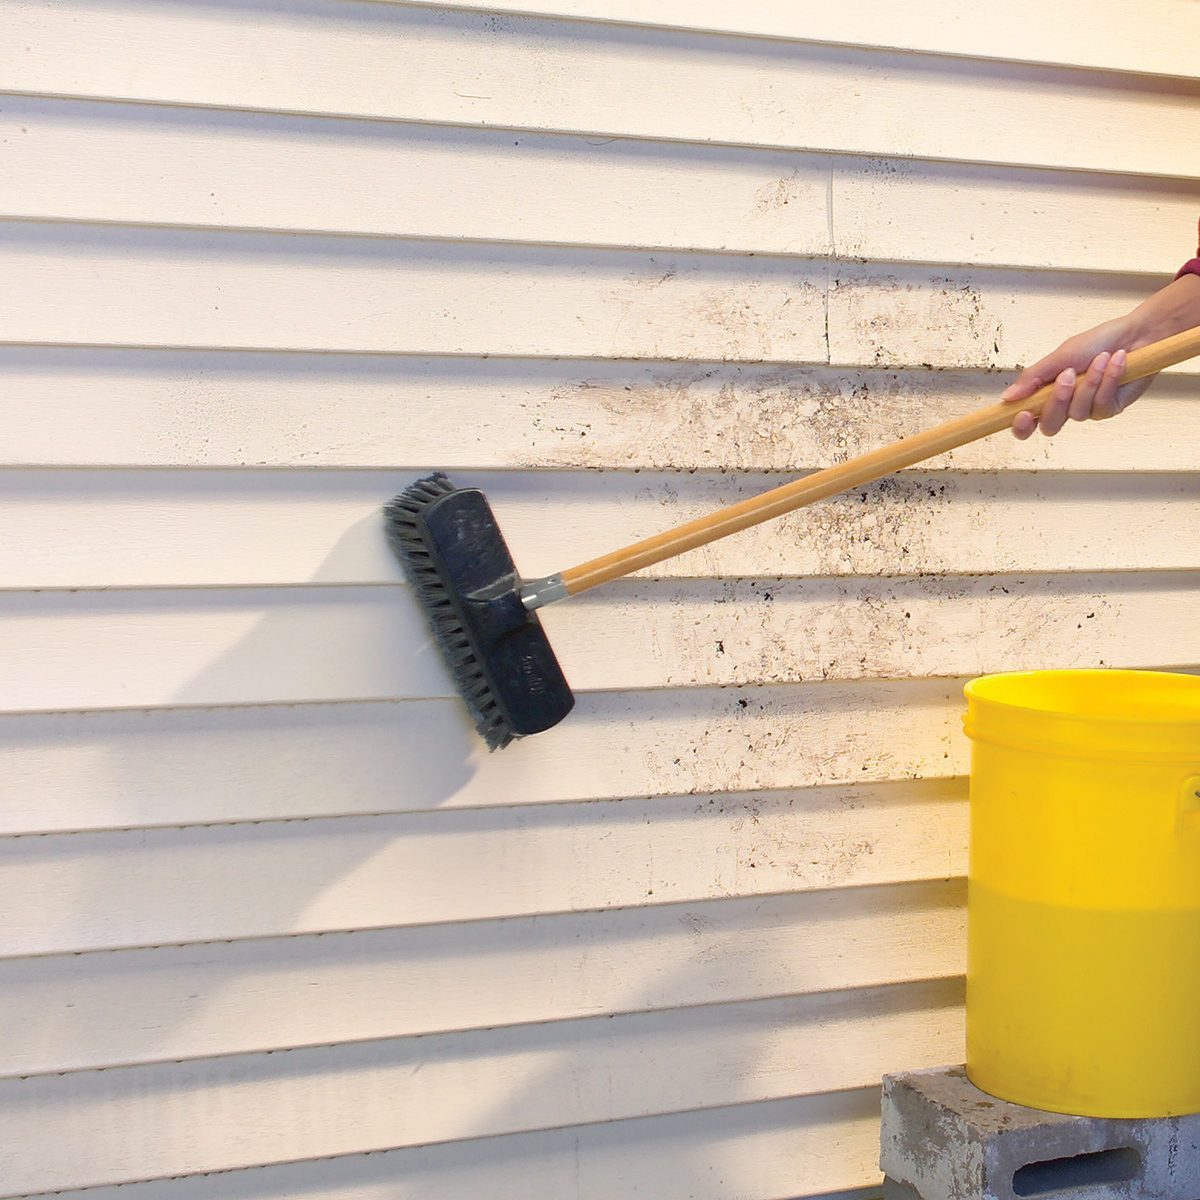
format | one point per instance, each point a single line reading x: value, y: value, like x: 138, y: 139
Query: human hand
x: 1086, y: 373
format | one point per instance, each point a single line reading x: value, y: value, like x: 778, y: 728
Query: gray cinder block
x: 944, y: 1139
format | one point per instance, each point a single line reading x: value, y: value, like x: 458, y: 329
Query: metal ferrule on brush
x: 537, y: 593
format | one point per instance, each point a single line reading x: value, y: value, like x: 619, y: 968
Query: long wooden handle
x: 864, y: 469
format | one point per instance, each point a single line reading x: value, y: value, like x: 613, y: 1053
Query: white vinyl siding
x: 272, y: 925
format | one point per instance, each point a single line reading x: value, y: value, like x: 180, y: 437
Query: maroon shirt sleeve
x: 1191, y: 267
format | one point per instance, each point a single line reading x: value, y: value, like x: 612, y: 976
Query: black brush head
x: 455, y: 557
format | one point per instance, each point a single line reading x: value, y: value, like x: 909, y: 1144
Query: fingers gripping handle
x: 865, y: 469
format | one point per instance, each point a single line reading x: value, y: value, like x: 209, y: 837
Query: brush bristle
x: 405, y: 535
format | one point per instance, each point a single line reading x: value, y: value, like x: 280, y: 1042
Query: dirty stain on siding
x: 873, y: 319
x: 735, y: 418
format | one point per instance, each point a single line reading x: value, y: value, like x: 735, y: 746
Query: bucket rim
x: 973, y: 692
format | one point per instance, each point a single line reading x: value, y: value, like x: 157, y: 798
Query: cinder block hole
x: 1079, y: 1170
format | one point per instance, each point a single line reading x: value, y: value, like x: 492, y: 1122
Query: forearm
x: 1170, y: 310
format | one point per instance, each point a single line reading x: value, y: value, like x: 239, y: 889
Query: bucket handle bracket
x: 1189, y: 803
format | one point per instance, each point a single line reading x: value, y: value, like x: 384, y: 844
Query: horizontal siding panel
x: 80, y: 1011
x: 748, y: 632
x: 237, y: 1111
x: 217, y: 409
x: 174, y: 166
x: 158, y: 649
x: 183, y: 288
x: 479, y: 68
x: 1068, y: 33
x: 775, y: 1149
x: 98, y: 891
x: 909, y: 316
x: 261, y: 291
x: 129, y: 768
x: 884, y: 209
x: 175, y: 530
x: 258, y: 291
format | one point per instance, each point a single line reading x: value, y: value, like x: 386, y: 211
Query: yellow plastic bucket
x: 1083, y: 971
